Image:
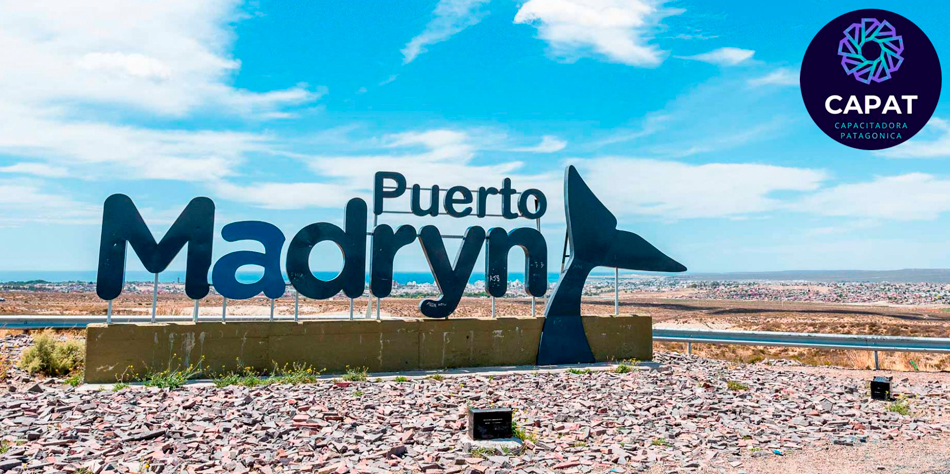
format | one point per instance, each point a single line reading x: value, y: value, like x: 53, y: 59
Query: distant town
x: 913, y: 294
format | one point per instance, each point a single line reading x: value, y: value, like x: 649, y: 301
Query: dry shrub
x: 5, y: 366
x: 53, y: 357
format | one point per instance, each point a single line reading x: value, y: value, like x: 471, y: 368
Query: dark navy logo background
x: 870, y: 79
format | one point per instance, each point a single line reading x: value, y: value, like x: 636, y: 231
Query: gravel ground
x: 922, y: 456
x: 693, y: 414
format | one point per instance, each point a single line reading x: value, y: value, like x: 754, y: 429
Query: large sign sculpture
x: 592, y: 232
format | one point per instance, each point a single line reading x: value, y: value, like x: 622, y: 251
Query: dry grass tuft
x: 5, y: 366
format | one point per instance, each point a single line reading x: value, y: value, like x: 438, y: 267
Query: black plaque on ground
x: 489, y: 423
x: 881, y: 388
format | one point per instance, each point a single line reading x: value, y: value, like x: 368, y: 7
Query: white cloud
x: 619, y: 30
x: 712, y: 142
x: 168, y: 58
x: 440, y: 156
x: 662, y: 189
x: 778, y: 77
x: 932, y: 142
x: 26, y: 200
x: 713, y: 116
x: 847, y: 227
x: 723, y: 56
x: 441, y: 144
x: 430, y: 156
x: 694, y: 36
x: 549, y: 144
x: 285, y: 195
x: 674, y: 190
x: 35, y: 169
x: 912, y: 196
x: 131, y: 64
x: 652, y: 124
x: 449, y: 18
x: 98, y: 149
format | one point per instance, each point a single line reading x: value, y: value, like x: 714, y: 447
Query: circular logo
x: 870, y: 79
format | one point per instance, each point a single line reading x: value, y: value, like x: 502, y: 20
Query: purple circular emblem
x: 871, y: 50
x: 870, y: 79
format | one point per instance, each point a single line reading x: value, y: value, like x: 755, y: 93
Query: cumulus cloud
x: 618, y: 30
x: 438, y: 156
x: 427, y: 157
x: 131, y: 64
x: 100, y: 149
x: 166, y: 59
x: 778, y: 77
x: 450, y: 17
x: 723, y: 56
x: 271, y: 195
x: 932, y: 142
x: 35, y: 169
x: 27, y: 200
x: 549, y: 144
x: 675, y: 190
x: 906, y: 197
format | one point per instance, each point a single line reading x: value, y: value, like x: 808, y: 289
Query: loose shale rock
x: 685, y: 418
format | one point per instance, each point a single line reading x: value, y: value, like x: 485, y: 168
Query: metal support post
x: 155, y: 298
x: 616, y: 291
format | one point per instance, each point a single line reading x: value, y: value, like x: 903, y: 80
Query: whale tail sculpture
x: 595, y: 242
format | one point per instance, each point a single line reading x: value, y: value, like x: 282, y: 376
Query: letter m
x: 121, y: 223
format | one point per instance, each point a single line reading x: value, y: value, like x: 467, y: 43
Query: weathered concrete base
x: 393, y: 345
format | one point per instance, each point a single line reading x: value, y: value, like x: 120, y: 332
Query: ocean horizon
x: 909, y: 275
x: 174, y: 276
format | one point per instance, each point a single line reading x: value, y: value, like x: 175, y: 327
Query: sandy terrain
x: 923, y: 456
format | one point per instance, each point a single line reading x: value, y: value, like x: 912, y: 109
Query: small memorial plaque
x: 489, y: 423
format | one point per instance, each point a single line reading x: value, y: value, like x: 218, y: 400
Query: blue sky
x: 685, y: 117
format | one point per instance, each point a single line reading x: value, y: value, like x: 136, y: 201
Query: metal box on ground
x: 489, y: 423
x: 881, y: 388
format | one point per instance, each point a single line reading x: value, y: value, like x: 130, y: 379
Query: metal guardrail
x: 689, y: 336
x: 794, y: 339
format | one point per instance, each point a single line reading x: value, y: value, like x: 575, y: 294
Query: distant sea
x: 913, y: 275
x: 248, y: 277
